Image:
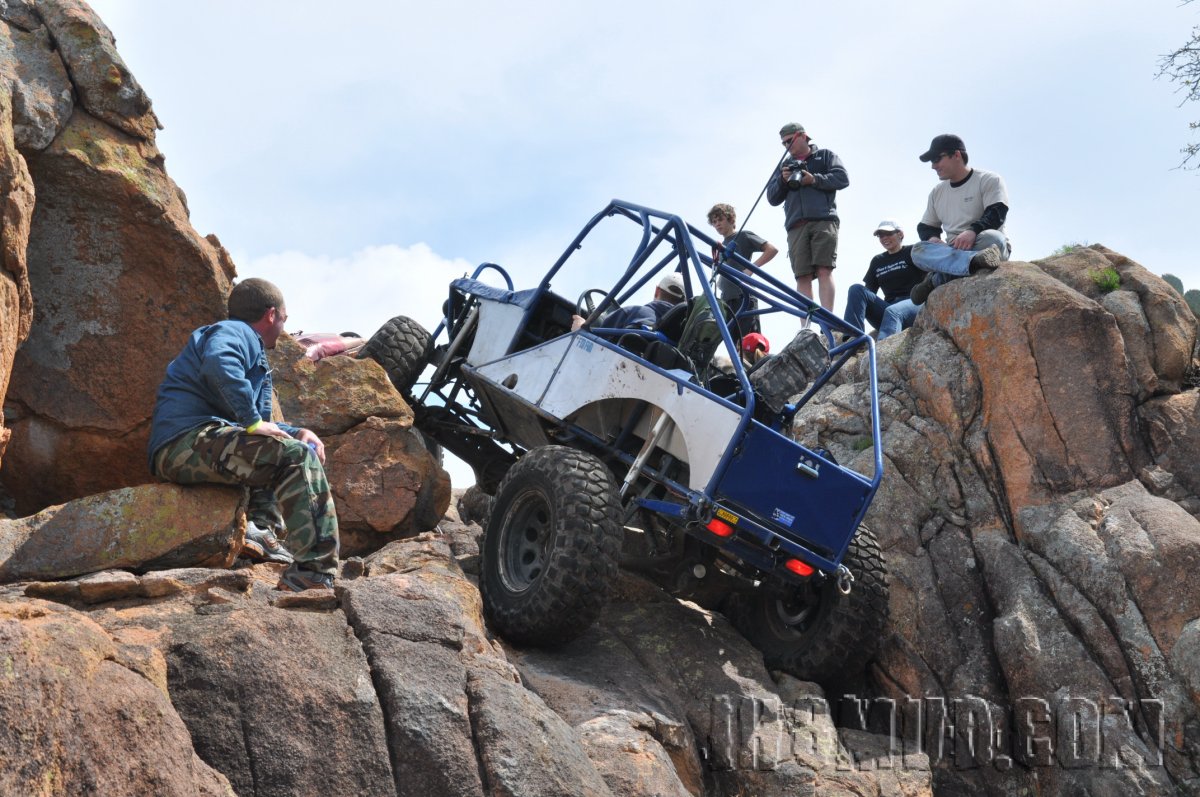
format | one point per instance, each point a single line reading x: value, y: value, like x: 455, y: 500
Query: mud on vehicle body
x: 611, y: 445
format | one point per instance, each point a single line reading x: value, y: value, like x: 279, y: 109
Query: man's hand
x: 964, y: 240
x: 308, y: 438
x: 577, y: 322
x: 270, y: 430
x: 806, y: 178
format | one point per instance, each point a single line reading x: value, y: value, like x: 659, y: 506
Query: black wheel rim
x: 525, y: 541
x: 798, y: 613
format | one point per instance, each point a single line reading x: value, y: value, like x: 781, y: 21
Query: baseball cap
x: 752, y: 341
x: 672, y: 284
x: 946, y: 142
x: 887, y: 226
x: 791, y: 129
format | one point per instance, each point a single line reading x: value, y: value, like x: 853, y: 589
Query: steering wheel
x: 587, y: 303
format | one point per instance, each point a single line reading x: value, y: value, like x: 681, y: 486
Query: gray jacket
x: 811, y: 202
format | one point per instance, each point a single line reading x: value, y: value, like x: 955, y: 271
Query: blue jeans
x: 893, y: 317
x: 948, y: 263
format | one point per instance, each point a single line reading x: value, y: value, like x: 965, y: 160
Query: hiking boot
x: 297, y: 579
x: 986, y: 260
x: 262, y: 545
x: 922, y: 289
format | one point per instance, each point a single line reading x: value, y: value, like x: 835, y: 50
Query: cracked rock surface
x: 390, y: 684
x: 1039, y: 516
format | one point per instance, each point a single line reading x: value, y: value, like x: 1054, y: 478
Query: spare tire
x: 402, y: 347
x: 817, y: 633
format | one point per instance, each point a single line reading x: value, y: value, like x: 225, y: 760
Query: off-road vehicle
x: 655, y: 449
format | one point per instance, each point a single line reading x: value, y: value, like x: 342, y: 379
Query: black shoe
x: 922, y: 289
x: 987, y: 260
x: 297, y: 579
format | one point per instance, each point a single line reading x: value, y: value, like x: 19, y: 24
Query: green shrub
x: 861, y: 444
x: 1067, y: 249
x: 1107, y: 279
x: 1192, y: 297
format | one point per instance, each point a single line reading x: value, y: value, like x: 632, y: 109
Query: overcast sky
x: 361, y: 154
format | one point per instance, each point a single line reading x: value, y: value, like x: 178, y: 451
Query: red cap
x: 753, y: 341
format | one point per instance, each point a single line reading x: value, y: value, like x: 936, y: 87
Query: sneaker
x: 297, y: 579
x: 922, y: 289
x: 263, y: 546
x: 987, y: 260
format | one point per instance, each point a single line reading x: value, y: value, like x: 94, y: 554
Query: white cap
x: 672, y: 284
x: 887, y: 225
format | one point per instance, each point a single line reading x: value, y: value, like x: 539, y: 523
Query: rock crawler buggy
x: 628, y: 446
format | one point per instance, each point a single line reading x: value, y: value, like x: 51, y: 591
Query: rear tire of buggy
x: 551, y: 547
x: 402, y: 347
x: 821, y: 636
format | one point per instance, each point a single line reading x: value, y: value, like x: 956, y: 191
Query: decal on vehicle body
x: 779, y: 516
x: 584, y: 343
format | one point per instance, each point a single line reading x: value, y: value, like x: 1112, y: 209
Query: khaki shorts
x: 812, y: 244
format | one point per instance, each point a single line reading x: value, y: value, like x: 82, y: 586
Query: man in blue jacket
x: 806, y: 185
x: 212, y: 423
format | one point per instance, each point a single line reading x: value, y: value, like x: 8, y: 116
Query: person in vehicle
x: 667, y: 294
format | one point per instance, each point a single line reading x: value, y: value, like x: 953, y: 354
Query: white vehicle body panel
x: 498, y: 322
x: 564, y: 376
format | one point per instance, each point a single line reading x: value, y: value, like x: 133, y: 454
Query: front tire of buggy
x: 402, y: 347
x: 551, y: 547
x: 819, y: 634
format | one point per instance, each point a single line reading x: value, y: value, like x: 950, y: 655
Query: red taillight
x: 798, y: 567
x: 720, y: 527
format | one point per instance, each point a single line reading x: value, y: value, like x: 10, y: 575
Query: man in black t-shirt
x: 723, y: 218
x: 894, y: 272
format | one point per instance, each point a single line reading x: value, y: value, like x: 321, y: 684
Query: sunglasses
x: 943, y: 155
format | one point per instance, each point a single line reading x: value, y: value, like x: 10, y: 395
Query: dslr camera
x: 796, y: 167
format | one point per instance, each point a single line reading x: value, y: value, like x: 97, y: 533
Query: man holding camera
x: 971, y: 206
x: 806, y: 185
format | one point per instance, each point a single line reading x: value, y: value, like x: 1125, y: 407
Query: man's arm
x: 992, y: 219
x: 224, y: 364
x: 930, y: 226
x: 833, y: 175
x: 768, y: 253
x: 776, y: 190
x: 870, y: 281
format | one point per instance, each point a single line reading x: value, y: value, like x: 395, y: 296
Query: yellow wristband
x: 250, y: 429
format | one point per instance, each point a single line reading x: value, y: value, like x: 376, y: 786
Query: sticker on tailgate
x: 779, y: 516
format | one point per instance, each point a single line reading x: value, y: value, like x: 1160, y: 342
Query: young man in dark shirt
x: 723, y: 218
x: 894, y: 272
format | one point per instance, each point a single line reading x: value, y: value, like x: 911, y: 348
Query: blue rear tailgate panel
x: 769, y: 478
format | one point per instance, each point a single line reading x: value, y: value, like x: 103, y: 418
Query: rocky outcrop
x: 77, y: 132
x: 1039, y: 514
x: 386, y: 483
x: 83, y: 712
x: 392, y: 685
x: 150, y: 527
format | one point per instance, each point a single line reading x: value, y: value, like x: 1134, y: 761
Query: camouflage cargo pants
x: 285, y: 479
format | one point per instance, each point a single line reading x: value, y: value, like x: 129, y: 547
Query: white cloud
x: 360, y: 291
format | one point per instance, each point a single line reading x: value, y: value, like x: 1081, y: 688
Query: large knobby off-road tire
x: 551, y: 547
x: 402, y: 347
x: 821, y: 635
